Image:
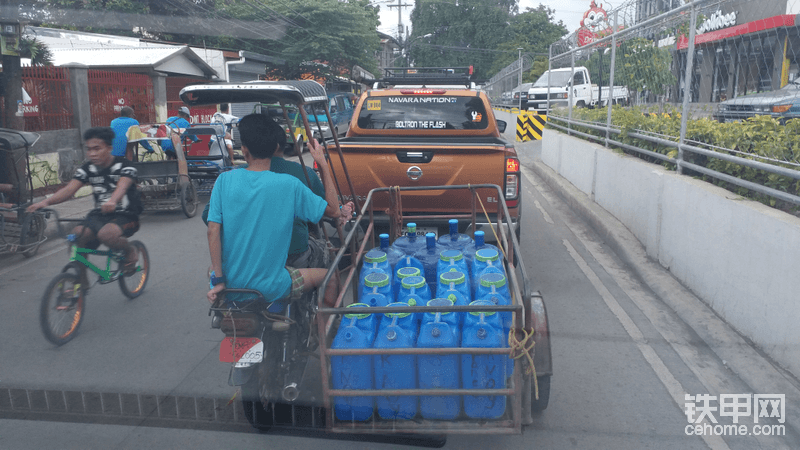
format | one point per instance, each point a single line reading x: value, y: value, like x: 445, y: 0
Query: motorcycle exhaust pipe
x: 291, y: 392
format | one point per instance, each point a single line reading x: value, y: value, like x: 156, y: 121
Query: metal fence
x: 508, y: 79
x: 48, y: 104
x: 708, y: 87
x: 109, y: 92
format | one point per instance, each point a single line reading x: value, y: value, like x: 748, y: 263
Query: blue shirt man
x: 251, y: 217
x: 181, y: 121
x: 120, y: 145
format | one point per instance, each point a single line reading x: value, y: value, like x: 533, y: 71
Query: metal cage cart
x: 20, y: 231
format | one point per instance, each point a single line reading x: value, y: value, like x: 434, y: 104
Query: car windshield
x: 557, y: 79
x: 423, y: 112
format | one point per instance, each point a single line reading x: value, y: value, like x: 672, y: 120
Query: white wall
x: 737, y: 255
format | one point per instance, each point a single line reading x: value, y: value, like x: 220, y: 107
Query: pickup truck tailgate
x: 403, y: 165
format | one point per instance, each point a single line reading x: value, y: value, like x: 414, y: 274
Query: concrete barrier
x: 737, y: 255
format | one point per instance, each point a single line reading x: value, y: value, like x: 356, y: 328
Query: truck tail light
x: 512, y: 179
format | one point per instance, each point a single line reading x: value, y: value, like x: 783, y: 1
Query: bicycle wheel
x: 32, y: 233
x: 133, y: 285
x: 62, y: 308
x: 189, y: 199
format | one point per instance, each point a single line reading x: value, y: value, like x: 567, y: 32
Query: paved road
x: 623, y: 360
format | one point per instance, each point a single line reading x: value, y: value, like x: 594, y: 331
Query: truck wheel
x: 580, y: 104
x: 538, y: 406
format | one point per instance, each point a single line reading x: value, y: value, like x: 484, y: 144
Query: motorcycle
x: 269, y: 346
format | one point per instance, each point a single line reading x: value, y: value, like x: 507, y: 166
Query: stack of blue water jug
x: 455, y: 270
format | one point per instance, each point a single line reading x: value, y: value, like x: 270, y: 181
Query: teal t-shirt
x: 299, y: 242
x: 257, y: 212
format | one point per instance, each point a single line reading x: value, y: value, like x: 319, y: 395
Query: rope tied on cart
x: 491, y: 225
x: 518, y: 349
x: 395, y: 210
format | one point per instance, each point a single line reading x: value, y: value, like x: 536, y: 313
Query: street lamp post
x: 520, y: 78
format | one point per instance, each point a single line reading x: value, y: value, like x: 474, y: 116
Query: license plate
x: 243, y: 350
x: 422, y: 231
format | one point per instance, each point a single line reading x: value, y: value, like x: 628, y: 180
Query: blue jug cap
x: 398, y: 315
x: 482, y: 303
x: 375, y: 256
x: 487, y: 254
x: 452, y: 277
x: 441, y: 302
x: 405, y: 272
x: 493, y: 279
x: 451, y: 255
x: 373, y: 299
x: 357, y: 316
x: 416, y: 282
x: 378, y: 279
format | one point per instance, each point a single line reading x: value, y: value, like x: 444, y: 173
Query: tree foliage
x: 641, y: 66
x: 482, y: 33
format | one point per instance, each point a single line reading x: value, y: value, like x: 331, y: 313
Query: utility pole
x: 519, y: 86
x: 400, y: 5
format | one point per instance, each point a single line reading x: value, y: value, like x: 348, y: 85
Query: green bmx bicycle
x: 64, y: 300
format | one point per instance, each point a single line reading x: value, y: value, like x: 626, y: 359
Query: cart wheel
x: 189, y: 199
x: 538, y: 406
x: 32, y: 233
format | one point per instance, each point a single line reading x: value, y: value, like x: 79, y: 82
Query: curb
x: 736, y: 351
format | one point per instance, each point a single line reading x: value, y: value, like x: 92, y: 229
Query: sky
x: 568, y: 11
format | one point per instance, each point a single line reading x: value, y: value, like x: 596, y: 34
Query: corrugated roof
x: 148, y: 58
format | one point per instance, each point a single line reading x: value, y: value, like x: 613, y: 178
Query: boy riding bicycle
x: 113, y: 181
x: 251, y: 216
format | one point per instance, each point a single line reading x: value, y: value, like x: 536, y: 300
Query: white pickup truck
x: 583, y: 92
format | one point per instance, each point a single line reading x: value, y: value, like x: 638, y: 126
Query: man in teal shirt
x: 251, y: 213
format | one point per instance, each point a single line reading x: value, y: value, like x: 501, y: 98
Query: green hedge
x: 761, y: 136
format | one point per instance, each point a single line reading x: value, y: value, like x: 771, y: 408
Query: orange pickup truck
x: 430, y: 128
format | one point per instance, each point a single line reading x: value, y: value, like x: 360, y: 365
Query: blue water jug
x: 493, y: 287
x: 407, y: 321
x: 456, y: 281
x: 395, y: 371
x: 365, y: 321
x: 487, y: 260
x: 376, y: 283
x: 493, y: 319
x: 438, y: 371
x: 484, y: 371
x: 451, y: 261
x: 401, y: 274
x: 450, y: 318
x: 352, y: 372
x: 410, y: 243
x: 479, y: 243
x: 375, y: 260
x: 414, y: 286
x: 458, y: 299
x: 429, y: 257
x: 392, y: 254
x: 455, y: 240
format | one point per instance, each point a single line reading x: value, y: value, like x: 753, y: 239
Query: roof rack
x: 427, y: 76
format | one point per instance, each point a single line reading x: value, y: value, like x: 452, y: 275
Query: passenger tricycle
x: 20, y: 231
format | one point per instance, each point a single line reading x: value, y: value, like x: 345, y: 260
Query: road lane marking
x: 669, y: 381
x: 544, y: 213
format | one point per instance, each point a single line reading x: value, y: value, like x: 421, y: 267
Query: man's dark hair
x: 126, y: 111
x: 260, y: 135
x: 223, y: 108
x: 105, y: 134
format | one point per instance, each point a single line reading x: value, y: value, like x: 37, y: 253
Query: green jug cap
x: 405, y: 272
x: 441, y: 302
x: 356, y: 315
x: 416, y: 282
x: 493, y: 279
x: 482, y: 303
x: 451, y: 255
x: 452, y: 277
x: 378, y: 279
x: 398, y: 315
x: 411, y: 228
x: 375, y: 256
x: 487, y: 254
